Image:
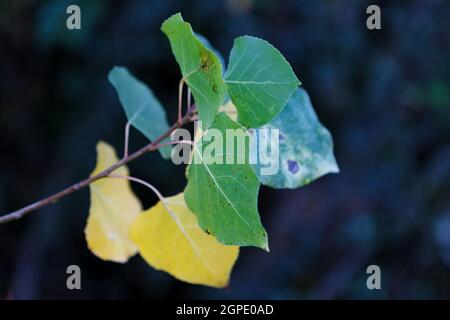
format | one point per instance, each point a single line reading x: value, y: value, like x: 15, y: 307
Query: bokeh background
x: 384, y: 95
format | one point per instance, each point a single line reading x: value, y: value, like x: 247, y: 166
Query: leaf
x: 228, y: 108
x: 224, y: 196
x: 113, y: 208
x: 208, y: 44
x: 169, y: 239
x: 230, y: 111
x: 199, y: 66
x: 142, y: 108
x: 305, y: 145
x: 259, y: 80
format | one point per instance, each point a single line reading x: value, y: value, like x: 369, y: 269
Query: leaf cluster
x: 196, y: 235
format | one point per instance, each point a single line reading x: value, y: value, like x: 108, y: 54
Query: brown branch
x: 154, y: 145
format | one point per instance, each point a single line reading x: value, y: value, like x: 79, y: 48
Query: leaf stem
x: 188, y: 98
x: 160, y: 197
x: 180, y: 99
x: 127, y: 134
x: 154, y: 145
x: 144, y: 183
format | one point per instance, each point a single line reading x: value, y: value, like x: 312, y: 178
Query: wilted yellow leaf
x: 113, y: 208
x: 169, y: 239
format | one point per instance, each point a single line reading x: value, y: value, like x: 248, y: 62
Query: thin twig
x: 188, y: 98
x: 127, y: 134
x: 180, y: 99
x: 15, y: 215
x: 161, y: 198
x: 151, y: 187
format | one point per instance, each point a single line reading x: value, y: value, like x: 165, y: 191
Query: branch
x: 180, y: 99
x: 154, y: 145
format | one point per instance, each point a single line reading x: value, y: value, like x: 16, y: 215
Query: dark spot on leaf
x: 208, y: 68
x: 292, y: 166
x: 205, y: 60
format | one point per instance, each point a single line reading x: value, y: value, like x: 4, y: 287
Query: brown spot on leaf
x: 205, y: 60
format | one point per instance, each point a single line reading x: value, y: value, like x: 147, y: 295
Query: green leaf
x: 208, y: 44
x: 305, y: 145
x: 142, y: 108
x: 259, y: 80
x: 219, y: 56
x: 199, y: 66
x: 224, y: 196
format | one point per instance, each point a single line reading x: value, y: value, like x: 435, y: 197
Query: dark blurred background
x: 384, y: 95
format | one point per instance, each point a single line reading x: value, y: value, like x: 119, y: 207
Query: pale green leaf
x: 305, y: 145
x: 199, y: 66
x: 142, y: 108
x: 259, y: 80
x: 224, y: 196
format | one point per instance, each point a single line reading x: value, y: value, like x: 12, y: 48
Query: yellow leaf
x: 113, y: 208
x: 169, y: 239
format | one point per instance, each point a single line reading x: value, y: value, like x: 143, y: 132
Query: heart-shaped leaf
x: 222, y: 190
x: 259, y: 80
